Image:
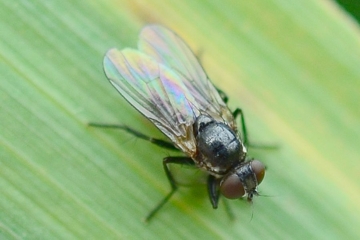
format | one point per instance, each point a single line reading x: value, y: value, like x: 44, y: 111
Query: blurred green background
x: 292, y: 66
x: 353, y: 7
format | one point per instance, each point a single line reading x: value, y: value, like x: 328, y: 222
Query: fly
x: 164, y: 81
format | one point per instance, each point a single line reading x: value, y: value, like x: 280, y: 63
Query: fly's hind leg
x: 245, y: 136
x: 223, y: 95
x: 158, y: 142
x: 174, y: 187
x: 236, y: 113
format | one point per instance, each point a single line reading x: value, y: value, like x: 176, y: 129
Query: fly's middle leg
x: 166, y: 161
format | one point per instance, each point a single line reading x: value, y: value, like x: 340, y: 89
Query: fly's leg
x: 245, y: 135
x: 236, y: 113
x: 213, y: 190
x: 223, y: 95
x: 174, y: 187
x: 214, y: 195
x: 166, y: 161
x: 158, y: 142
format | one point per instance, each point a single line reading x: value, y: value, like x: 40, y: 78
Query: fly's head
x: 243, y: 179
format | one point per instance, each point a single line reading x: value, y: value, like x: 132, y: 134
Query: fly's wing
x: 169, y: 49
x: 156, y: 91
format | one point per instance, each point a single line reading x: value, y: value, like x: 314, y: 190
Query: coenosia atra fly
x: 165, y: 82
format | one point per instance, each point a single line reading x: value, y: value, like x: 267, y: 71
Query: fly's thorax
x: 243, y: 179
x: 218, y: 146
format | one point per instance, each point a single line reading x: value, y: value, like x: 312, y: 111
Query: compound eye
x: 231, y: 187
x: 258, y: 169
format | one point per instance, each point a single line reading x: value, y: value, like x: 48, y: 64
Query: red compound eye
x: 259, y: 170
x: 231, y: 187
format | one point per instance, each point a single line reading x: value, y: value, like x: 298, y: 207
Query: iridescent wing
x: 169, y: 49
x: 156, y: 91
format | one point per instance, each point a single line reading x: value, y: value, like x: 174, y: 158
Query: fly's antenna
x: 252, y: 212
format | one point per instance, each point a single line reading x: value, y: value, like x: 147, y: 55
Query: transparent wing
x: 169, y: 49
x: 156, y: 91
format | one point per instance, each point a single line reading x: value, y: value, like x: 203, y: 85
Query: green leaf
x: 293, y: 67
